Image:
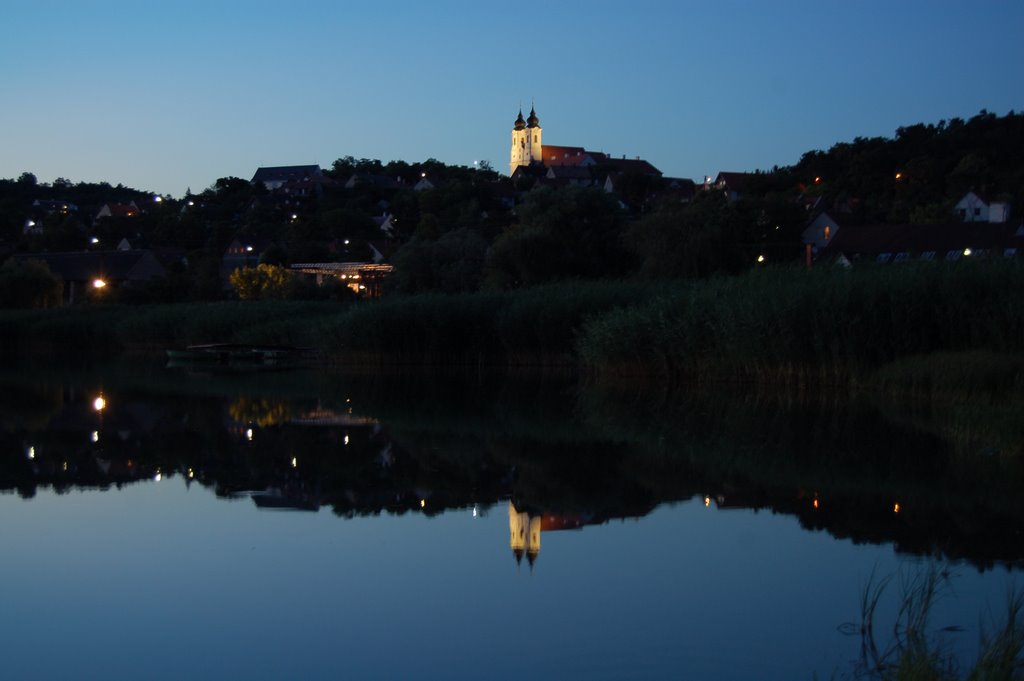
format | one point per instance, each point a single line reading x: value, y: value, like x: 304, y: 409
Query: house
x: 242, y: 253
x: 386, y: 222
x: 574, y: 175
x: 900, y: 243
x: 98, y: 270
x: 820, y: 232
x: 973, y: 208
x: 426, y: 183
x: 283, y: 178
x: 733, y: 184
x: 51, y: 206
x: 117, y: 210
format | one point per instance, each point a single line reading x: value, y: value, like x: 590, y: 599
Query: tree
x: 29, y: 284
x: 263, y: 282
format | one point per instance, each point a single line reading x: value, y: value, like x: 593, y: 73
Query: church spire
x: 533, y: 121
x: 520, y: 123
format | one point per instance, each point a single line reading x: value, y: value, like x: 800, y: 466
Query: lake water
x: 158, y: 523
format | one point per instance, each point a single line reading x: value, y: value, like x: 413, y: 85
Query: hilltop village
x: 362, y: 228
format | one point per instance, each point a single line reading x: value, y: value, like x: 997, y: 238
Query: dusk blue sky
x: 164, y: 96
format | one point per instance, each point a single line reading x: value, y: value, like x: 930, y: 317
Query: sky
x: 165, y: 97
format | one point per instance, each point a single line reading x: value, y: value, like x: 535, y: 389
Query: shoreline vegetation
x: 935, y: 326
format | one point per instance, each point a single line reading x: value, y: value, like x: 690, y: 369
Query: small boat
x: 239, y: 356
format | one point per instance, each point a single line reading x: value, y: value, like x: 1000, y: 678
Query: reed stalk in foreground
x: 916, y: 652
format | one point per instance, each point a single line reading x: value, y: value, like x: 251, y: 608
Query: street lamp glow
x: 760, y: 259
x: 99, y: 404
x: 98, y: 283
x: 967, y: 251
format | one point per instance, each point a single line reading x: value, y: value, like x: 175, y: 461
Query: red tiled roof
x: 568, y: 156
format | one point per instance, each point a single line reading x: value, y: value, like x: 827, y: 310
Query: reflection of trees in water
x: 837, y: 464
x: 260, y: 411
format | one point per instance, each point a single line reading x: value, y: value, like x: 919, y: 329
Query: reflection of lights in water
x: 248, y: 434
x: 707, y: 501
x: 295, y: 462
x: 99, y: 404
x: 31, y: 453
x: 95, y: 436
x: 476, y: 512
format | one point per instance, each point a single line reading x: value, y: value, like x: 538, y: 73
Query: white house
x: 974, y: 208
x: 821, y: 231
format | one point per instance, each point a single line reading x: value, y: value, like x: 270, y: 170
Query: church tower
x: 527, y: 145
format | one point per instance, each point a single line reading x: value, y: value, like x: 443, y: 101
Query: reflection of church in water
x: 525, y: 530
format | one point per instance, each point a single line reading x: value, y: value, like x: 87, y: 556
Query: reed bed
x: 830, y: 322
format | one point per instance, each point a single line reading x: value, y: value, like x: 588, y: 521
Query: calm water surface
x: 311, y: 525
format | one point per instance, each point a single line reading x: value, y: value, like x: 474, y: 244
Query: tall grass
x: 537, y: 326
x: 915, y: 651
x: 829, y: 322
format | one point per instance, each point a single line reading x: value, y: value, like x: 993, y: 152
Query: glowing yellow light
x: 967, y: 251
x: 65, y: 465
x: 98, y: 283
x: 295, y: 216
x: 346, y: 440
x: 423, y: 503
x: 815, y: 503
x: 707, y: 501
x: 31, y: 452
x: 899, y: 176
x: 191, y: 474
x: 817, y: 180
x: 295, y: 462
x: 99, y: 404
x: 248, y: 434
x: 760, y: 259
x: 896, y: 508
x: 95, y: 436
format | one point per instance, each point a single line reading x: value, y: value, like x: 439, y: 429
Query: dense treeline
x: 936, y: 163
x: 469, y: 229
